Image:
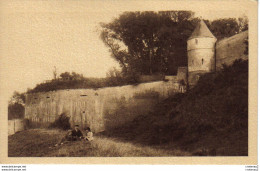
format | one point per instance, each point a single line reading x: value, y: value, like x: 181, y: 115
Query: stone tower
x: 201, y: 52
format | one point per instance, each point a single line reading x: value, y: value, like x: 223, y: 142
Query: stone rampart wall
x: 98, y: 109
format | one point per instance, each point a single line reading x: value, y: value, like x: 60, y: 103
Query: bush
x: 27, y: 124
x: 63, y: 122
x: 15, y: 111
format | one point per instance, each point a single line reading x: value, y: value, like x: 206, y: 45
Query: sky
x: 38, y: 35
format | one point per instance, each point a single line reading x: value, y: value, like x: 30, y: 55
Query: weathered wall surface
x: 99, y: 109
x: 230, y: 49
x: 201, y: 60
x: 15, y: 125
x: 201, y: 54
x: 201, y: 43
x: 150, y: 78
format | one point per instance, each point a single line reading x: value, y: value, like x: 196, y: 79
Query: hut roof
x: 201, y: 30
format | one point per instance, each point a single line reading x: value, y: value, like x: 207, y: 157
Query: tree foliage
x: 69, y: 80
x: 73, y: 80
x: 227, y: 27
x: 16, y: 106
x: 17, y: 98
x: 62, y: 122
x: 144, y: 42
x: 71, y: 76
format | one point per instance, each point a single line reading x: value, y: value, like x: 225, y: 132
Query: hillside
x: 210, y: 119
x: 40, y: 143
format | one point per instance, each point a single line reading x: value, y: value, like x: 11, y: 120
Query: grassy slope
x: 210, y: 119
x: 37, y: 143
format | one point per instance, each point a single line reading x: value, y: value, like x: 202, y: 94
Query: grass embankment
x: 210, y: 119
x: 37, y: 143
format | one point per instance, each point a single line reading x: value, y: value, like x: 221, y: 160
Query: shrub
x: 63, y: 122
x: 27, y: 124
x: 15, y: 111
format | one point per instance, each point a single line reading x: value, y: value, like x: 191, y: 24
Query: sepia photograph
x: 125, y: 83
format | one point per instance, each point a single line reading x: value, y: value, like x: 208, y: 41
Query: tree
x: 76, y: 76
x: 114, y: 77
x: 18, y: 98
x: 16, y: 106
x: 71, y: 76
x: 65, y: 76
x: 227, y: 27
x: 243, y: 23
x: 145, y: 42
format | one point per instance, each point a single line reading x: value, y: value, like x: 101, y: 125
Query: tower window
x: 196, y: 41
x: 202, y: 60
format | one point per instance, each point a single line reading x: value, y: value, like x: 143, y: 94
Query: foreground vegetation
x: 40, y: 143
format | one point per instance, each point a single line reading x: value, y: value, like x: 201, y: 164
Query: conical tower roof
x: 201, y: 30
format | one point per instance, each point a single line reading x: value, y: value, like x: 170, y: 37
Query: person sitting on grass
x: 72, y: 135
x: 68, y: 137
x: 89, y: 135
x: 76, y: 133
